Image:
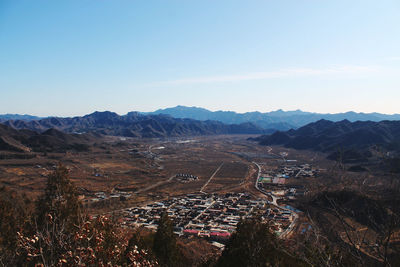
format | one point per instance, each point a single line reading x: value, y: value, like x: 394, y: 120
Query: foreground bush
x: 95, y: 243
x: 59, y: 233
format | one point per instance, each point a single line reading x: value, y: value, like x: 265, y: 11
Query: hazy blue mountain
x: 228, y: 117
x: 25, y: 117
x: 278, y: 120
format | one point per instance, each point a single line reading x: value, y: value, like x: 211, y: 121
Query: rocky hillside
x: 331, y: 136
x: 50, y: 140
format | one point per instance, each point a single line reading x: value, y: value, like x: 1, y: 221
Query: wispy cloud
x: 291, y: 72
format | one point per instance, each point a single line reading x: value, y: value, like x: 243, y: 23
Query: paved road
x: 212, y: 176
x: 275, y: 203
x: 291, y: 226
x: 269, y: 150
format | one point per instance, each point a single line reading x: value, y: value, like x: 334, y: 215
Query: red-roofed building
x: 220, y: 236
x: 191, y: 232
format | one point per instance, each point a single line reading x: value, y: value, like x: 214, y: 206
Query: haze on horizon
x: 66, y: 58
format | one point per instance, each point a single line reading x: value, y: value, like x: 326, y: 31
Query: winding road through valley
x: 275, y: 203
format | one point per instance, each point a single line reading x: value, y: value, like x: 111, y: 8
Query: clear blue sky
x: 74, y: 57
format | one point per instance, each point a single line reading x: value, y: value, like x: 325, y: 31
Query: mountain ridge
x: 135, y: 124
x: 279, y: 119
x: 183, y: 120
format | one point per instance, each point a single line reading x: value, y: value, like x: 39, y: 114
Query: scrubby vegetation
x: 59, y: 233
x: 254, y: 245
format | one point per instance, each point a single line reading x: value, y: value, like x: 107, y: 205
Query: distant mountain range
x: 328, y: 136
x: 6, y: 117
x: 271, y: 121
x: 134, y: 124
x: 185, y: 121
x: 278, y: 120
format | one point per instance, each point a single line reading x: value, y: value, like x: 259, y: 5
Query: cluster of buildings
x: 142, y: 154
x: 210, y: 216
x: 184, y: 178
x: 276, y: 182
x: 285, y: 172
x: 98, y: 196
